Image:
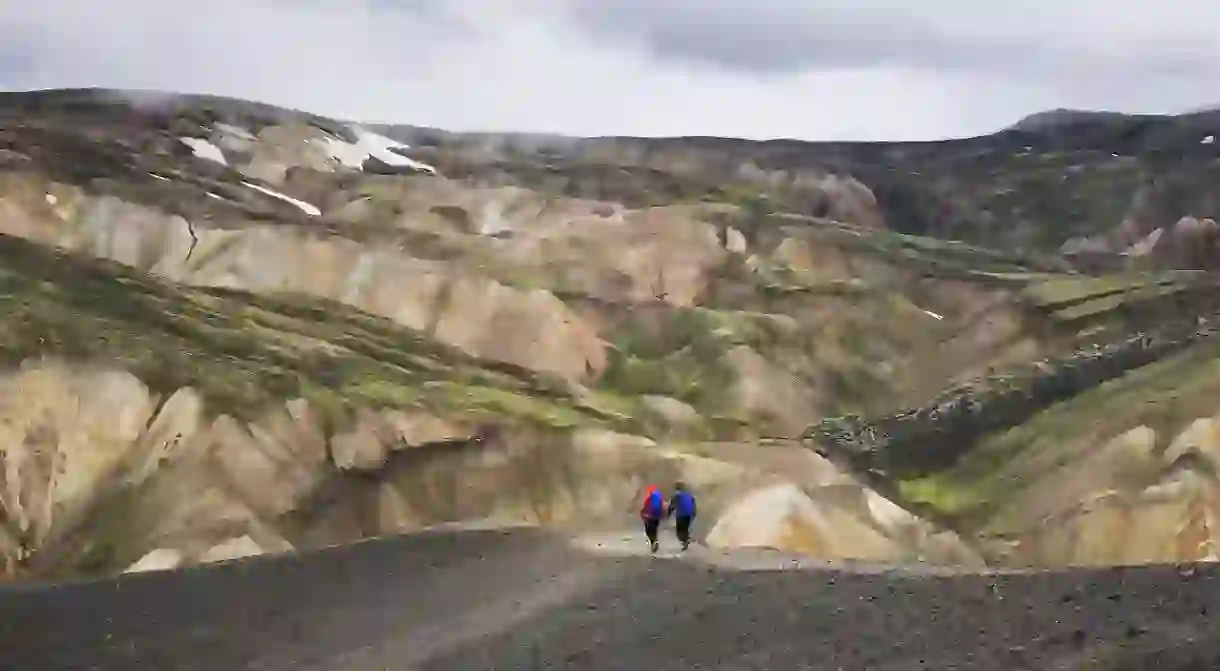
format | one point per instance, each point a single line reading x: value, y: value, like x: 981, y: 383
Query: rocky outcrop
x: 843, y: 522
x: 920, y: 440
x: 97, y: 472
x: 157, y: 560
x: 490, y: 336
x: 234, y: 548
x: 1189, y: 243
x: 474, y: 313
x: 495, y: 297
x: 1124, y: 504
x: 100, y: 475
x: 503, y: 272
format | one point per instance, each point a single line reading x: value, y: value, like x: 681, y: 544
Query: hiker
x: 682, y: 505
x: 651, y: 512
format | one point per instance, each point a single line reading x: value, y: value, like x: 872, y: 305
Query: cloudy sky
x: 830, y: 69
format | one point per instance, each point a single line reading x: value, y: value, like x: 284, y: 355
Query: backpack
x: 653, y: 504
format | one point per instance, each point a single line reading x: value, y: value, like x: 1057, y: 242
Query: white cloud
x: 844, y: 70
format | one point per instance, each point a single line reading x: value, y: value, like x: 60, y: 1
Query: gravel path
x: 522, y: 599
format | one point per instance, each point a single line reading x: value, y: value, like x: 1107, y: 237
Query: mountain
x: 1033, y: 187
x: 233, y: 328
x: 1060, y: 118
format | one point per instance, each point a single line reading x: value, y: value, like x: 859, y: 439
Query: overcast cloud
x: 831, y: 69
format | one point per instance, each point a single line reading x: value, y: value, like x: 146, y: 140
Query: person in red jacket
x: 651, y: 513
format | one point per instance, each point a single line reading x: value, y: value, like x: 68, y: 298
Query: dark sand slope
x: 522, y: 600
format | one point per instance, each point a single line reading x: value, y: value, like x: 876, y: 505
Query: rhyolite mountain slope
x: 1101, y: 181
x: 233, y: 328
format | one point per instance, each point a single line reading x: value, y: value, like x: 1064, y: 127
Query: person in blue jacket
x: 651, y: 513
x: 682, y: 506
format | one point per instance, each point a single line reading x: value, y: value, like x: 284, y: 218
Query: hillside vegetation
x: 232, y: 328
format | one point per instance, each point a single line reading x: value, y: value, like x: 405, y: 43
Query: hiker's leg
x: 683, y: 529
x: 650, y: 529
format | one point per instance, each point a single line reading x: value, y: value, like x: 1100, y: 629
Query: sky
x: 824, y: 70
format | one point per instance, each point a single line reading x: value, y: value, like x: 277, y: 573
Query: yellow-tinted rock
x: 784, y: 518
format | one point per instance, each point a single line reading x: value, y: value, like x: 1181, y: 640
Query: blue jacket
x: 682, y: 504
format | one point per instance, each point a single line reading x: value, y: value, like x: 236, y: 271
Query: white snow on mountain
x: 205, y: 149
x: 305, y: 207
x: 369, y: 144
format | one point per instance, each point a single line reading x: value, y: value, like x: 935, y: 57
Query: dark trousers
x: 682, y: 526
x: 650, y: 528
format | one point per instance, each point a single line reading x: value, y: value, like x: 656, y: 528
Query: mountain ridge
x: 320, y: 334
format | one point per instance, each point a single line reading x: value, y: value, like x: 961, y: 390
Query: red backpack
x: 651, y: 507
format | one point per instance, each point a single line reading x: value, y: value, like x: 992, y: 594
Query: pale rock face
x: 590, y: 478
x: 810, y: 260
x: 842, y: 198
x: 363, y: 446
x: 507, y: 324
x: 1148, y: 244
x: 660, y: 254
x: 530, y: 328
x: 1132, y: 453
x: 1202, y: 437
x: 1126, y: 504
x: 736, y: 242
x: 284, y: 146
x: 234, y: 548
x: 63, y: 435
x: 1125, y: 460
x: 179, y: 419
x: 369, y: 441
x: 679, y: 417
x: 1168, y: 522
x: 766, y: 391
x: 157, y: 560
x: 79, y: 434
x: 416, y: 429
x: 784, y: 518
x: 840, y: 519
x: 204, y: 478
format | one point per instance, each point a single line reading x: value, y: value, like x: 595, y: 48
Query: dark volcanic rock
x: 517, y: 600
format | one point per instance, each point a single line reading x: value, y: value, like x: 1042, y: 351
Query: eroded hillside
x: 1102, y: 187
x: 232, y: 328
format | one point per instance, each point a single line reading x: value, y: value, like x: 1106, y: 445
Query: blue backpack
x: 653, y: 506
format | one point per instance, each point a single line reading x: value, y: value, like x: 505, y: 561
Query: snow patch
x: 205, y: 149
x: 305, y: 207
x: 235, y: 131
x: 156, y: 176
x: 932, y: 314
x: 51, y: 199
x: 1210, y: 139
x: 369, y: 144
